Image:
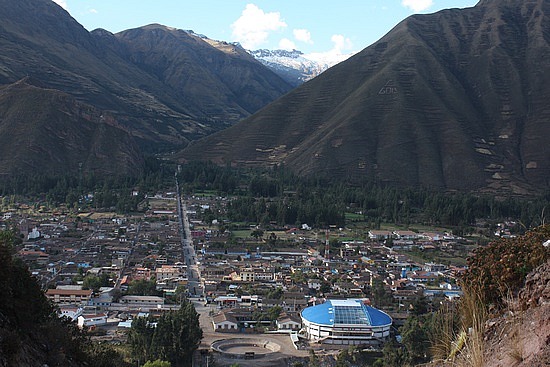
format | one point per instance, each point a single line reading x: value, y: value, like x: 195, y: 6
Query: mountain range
x: 161, y: 86
x: 456, y: 100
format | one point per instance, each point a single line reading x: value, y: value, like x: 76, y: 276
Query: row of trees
x: 108, y: 191
x: 279, y: 196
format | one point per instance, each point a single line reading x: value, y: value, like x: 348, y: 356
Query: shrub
x: 500, y: 268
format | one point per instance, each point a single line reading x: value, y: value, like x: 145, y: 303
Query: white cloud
x: 417, y: 5
x: 341, y: 50
x: 61, y: 3
x: 254, y: 26
x: 286, y: 44
x: 302, y: 35
x: 93, y: 11
x: 341, y: 44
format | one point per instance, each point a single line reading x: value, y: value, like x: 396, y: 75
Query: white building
x: 71, y: 312
x: 142, y: 300
x: 92, y: 320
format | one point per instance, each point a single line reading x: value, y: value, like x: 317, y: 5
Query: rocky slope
x: 521, y: 337
x: 455, y: 100
x: 214, y: 77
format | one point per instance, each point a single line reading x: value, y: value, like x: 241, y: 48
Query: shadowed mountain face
x: 43, y: 131
x: 454, y: 100
x: 164, y: 86
x: 213, y: 76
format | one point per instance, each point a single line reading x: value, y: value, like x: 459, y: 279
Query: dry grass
x: 444, y: 333
x: 461, y: 344
x: 474, y: 316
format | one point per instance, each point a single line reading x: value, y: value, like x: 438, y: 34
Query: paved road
x: 188, y: 250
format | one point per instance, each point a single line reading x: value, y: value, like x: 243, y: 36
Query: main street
x: 190, y: 258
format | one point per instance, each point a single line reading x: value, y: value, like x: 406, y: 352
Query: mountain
x: 217, y: 80
x: 294, y: 66
x: 48, y: 132
x: 163, y: 86
x: 456, y: 100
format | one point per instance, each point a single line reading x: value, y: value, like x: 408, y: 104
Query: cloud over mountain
x: 254, y: 26
x: 417, y: 5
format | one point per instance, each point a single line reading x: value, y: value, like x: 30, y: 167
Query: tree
x: 274, y: 312
x: 104, y: 355
x: 143, y: 287
x: 95, y: 282
x: 175, y: 337
x: 416, y: 340
x: 276, y: 293
x: 382, y: 297
x: 257, y: 234
x: 394, y: 355
x: 420, y: 306
x: 139, y: 338
x: 157, y: 363
x: 326, y: 287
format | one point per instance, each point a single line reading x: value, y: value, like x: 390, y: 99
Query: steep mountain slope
x: 39, y: 39
x: 451, y: 100
x: 47, y: 132
x: 212, y: 76
x: 134, y: 78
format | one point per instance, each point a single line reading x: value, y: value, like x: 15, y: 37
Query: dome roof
x: 346, y: 312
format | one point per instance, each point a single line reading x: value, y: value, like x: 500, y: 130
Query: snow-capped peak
x: 295, y: 66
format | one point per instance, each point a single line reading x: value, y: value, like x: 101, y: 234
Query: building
x: 168, y: 272
x: 346, y: 322
x: 288, y: 322
x: 225, y: 322
x: 145, y: 301
x: 406, y: 235
x: 69, y: 296
x: 380, y: 235
x: 69, y: 311
x: 92, y: 320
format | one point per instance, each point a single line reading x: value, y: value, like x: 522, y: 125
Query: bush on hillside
x: 500, y: 268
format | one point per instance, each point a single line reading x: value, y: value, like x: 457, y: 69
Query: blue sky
x: 311, y: 26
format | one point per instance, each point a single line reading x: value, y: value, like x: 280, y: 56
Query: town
x: 104, y: 269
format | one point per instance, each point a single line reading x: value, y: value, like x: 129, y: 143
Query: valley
x: 171, y: 200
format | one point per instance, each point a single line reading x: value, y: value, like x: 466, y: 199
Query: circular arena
x: 243, y: 348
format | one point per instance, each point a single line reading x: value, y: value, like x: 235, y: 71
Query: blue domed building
x: 346, y: 322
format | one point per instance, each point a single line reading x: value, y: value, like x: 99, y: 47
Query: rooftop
x: 346, y: 312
